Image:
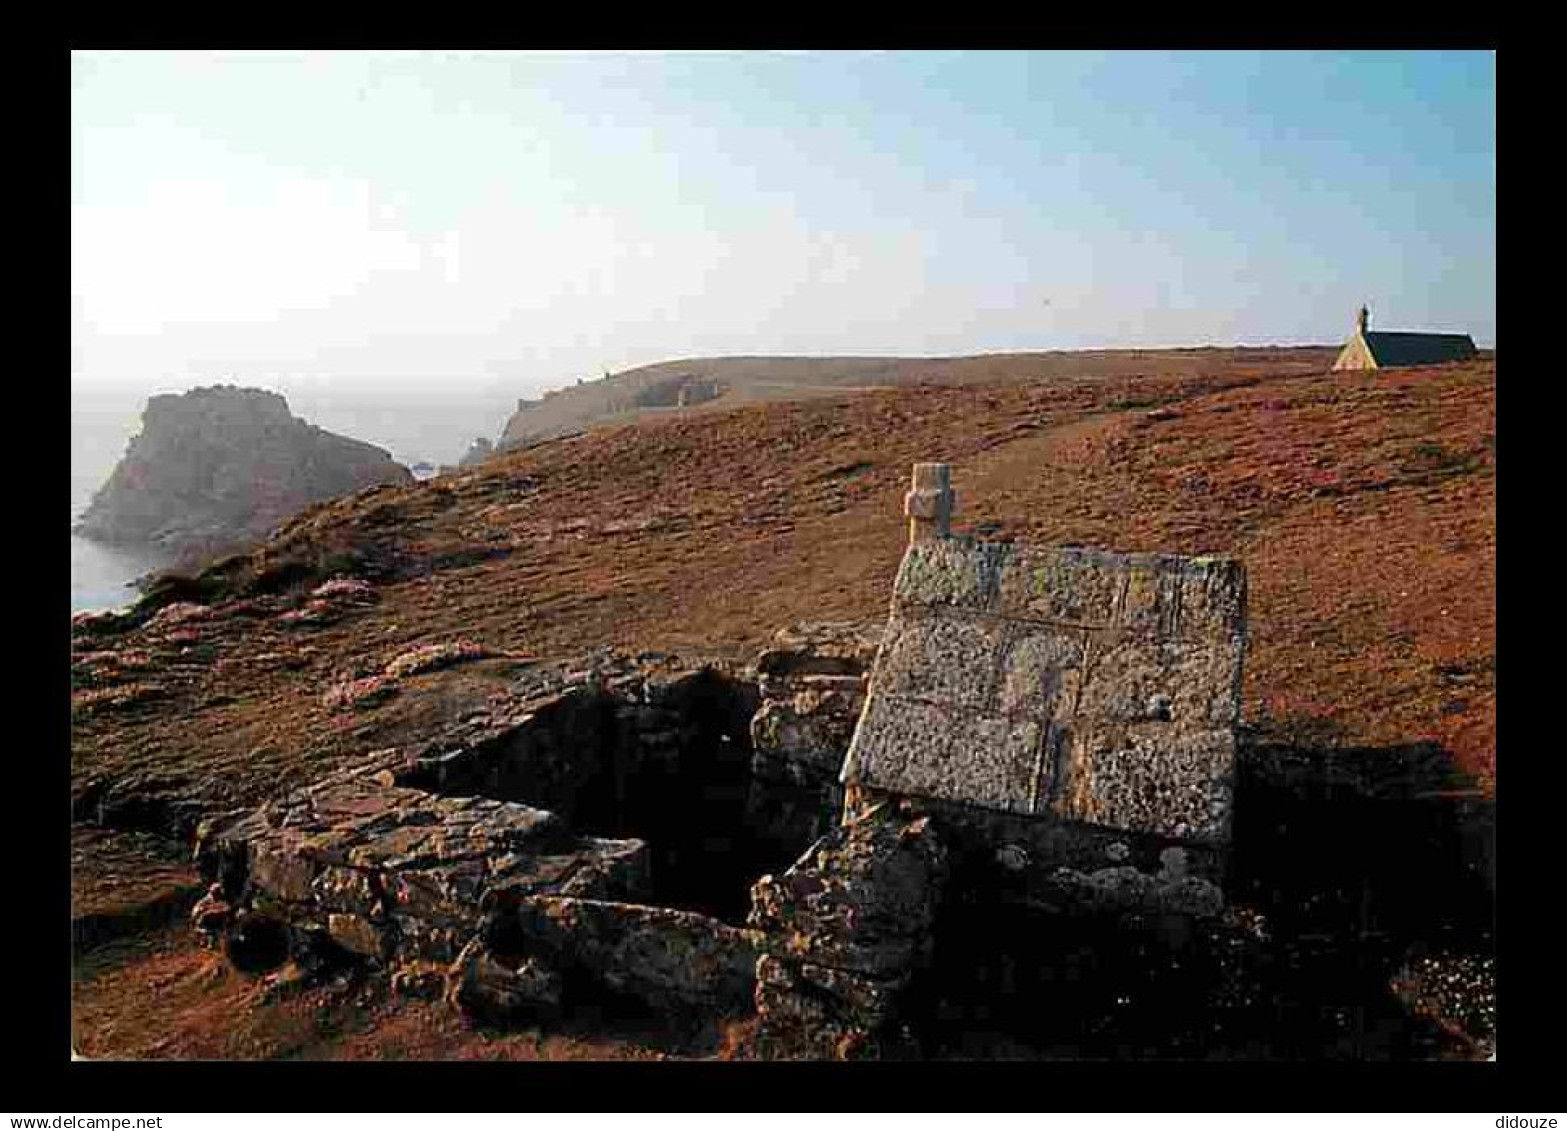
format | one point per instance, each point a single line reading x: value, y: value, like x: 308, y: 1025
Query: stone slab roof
x: 1073, y: 683
x: 1395, y: 348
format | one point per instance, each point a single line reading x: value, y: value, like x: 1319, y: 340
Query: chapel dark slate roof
x: 1390, y: 348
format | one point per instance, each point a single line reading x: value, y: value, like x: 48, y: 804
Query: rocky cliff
x: 219, y: 467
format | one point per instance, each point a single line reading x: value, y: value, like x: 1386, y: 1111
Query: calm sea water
x: 103, y: 421
x: 101, y: 576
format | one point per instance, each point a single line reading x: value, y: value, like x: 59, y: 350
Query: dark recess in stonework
x: 675, y: 773
x: 1347, y: 862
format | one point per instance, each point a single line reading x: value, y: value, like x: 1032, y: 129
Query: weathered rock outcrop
x: 217, y: 468
x: 652, y: 388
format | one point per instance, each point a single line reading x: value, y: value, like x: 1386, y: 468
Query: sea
x: 105, y: 418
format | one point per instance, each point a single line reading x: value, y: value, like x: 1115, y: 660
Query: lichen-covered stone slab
x: 488, y: 987
x: 845, y: 929
x: 861, y: 899
x: 394, y: 873
x: 1077, y: 683
x: 671, y: 959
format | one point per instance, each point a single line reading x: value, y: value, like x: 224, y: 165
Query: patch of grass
x: 279, y: 577
x: 358, y: 694
x: 1128, y: 403
x: 386, y: 514
x: 432, y: 656
x: 845, y: 471
x: 269, y: 571
x: 1429, y: 461
x: 96, y: 700
x: 465, y: 557
x: 1299, y: 730
x: 200, y: 653
x: 169, y: 588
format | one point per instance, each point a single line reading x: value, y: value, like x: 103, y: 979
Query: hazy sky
x: 514, y: 221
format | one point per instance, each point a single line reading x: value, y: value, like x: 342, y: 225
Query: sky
x: 505, y: 223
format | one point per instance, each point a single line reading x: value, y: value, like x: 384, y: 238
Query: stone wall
x: 670, y: 960
x: 397, y: 875
x: 1071, y: 683
x: 600, y: 814
x: 658, y: 753
x: 812, y: 683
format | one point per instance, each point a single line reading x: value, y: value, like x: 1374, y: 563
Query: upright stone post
x: 929, y: 502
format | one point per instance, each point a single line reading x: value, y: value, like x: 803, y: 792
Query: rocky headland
x: 726, y: 382
x: 218, y: 468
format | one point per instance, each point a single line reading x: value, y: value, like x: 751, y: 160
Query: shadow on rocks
x: 1359, y: 925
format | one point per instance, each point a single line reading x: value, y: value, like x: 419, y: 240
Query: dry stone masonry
x: 1077, y: 683
x: 1065, y: 716
x: 670, y: 960
x: 812, y: 683
x: 396, y: 874
x: 1073, y: 706
x: 846, y: 929
x: 441, y: 864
